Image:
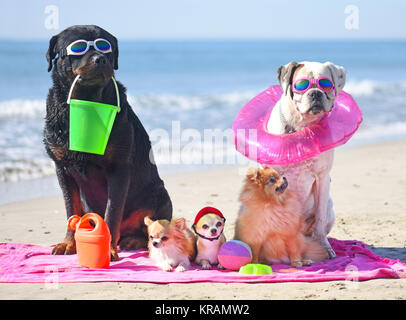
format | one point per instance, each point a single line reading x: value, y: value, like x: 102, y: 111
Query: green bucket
x: 90, y: 123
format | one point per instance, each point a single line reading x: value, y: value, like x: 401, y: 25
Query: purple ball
x: 234, y: 254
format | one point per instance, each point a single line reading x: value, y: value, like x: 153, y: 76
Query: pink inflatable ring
x: 252, y: 139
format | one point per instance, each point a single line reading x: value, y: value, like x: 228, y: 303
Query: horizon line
x: 225, y: 39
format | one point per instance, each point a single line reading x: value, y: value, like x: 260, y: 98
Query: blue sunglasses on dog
x: 80, y: 47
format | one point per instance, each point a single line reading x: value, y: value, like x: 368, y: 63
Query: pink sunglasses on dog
x: 303, y: 84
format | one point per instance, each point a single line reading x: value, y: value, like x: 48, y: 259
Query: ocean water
x: 190, y: 87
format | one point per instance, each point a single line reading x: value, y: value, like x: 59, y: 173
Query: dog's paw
x: 166, y: 267
x: 113, y: 254
x: 331, y: 253
x: 326, y: 245
x: 64, y: 248
x: 206, y: 265
x: 219, y: 266
x: 307, y: 262
x: 296, y: 264
x: 180, y: 268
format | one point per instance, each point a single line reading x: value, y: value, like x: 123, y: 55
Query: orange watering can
x: 92, y: 240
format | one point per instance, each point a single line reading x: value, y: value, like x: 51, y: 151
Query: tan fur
x: 207, y: 250
x: 179, y: 248
x: 184, y: 237
x: 271, y: 224
x: 58, y: 152
x: 134, y: 221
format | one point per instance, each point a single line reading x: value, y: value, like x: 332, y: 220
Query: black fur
x: 120, y: 184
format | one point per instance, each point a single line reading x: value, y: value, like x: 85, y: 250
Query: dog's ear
x: 148, y: 221
x: 285, y: 76
x: 338, y: 75
x: 52, y: 51
x: 115, y: 52
x: 252, y: 173
x: 180, y: 223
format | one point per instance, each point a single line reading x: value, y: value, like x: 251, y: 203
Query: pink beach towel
x: 34, y: 264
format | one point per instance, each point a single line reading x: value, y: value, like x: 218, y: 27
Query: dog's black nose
x: 155, y: 244
x: 283, y: 186
x: 316, y: 94
x: 99, y: 59
x: 213, y: 231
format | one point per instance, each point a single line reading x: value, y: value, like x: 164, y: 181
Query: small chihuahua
x: 171, y: 244
x: 208, y: 226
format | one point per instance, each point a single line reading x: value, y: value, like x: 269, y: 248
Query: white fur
x: 310, y: 180
x: 169, y: 257
x: 207, y: 250
x: 210, y: 252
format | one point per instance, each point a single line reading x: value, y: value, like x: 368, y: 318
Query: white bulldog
x: 299, y: 107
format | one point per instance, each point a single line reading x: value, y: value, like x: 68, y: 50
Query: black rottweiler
x: 123, y: 185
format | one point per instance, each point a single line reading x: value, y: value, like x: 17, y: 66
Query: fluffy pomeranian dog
x: 171, y: 244
x: 270, y: 223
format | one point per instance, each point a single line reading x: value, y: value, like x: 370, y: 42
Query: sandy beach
x: 369, y: 193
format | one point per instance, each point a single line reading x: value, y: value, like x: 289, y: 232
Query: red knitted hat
x: 205, y: 211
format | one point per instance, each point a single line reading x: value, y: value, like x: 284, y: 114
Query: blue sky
x: 208, y: 19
